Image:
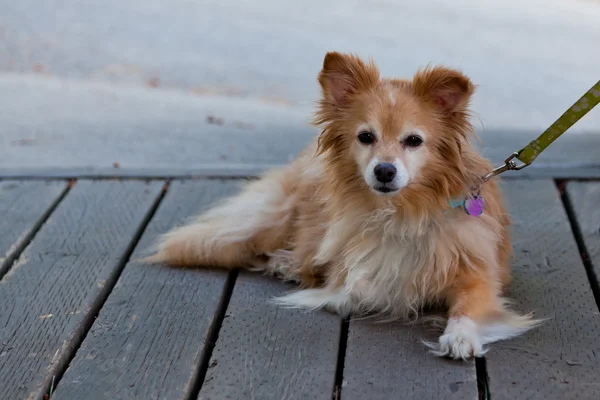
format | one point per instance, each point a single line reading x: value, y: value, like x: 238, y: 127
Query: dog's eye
x: 413, y: 141
x: 366, y: 137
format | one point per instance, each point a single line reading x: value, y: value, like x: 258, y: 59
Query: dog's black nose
x: 385, y: 172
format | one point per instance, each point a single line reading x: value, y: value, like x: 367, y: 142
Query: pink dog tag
x: 474, y: 206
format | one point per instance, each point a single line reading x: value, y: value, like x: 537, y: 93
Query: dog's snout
x: 385, y: 172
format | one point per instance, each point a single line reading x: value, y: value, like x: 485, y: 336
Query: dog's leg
x: 477, y: 316
x: 236, y: 233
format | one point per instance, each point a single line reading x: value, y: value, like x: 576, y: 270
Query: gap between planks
x: 14, y: 256
x: 483, y: 380
x: 213, y: 334
x: 579, y: 239
x: 339, y: 368
x: 110, y: 283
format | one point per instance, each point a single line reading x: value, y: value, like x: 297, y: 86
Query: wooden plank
x: 148, y: 340
x: 49, y: 301
x: 561, y: 358
x: 388, y: 361
x: 585, y: 199
x: 265, y: 352
x: 24, y: 206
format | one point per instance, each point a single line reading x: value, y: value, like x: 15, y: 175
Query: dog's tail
x: 237, y: 233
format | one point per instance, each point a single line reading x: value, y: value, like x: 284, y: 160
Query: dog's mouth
x: 385, y: 189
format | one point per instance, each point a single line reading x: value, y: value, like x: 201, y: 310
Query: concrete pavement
x: 184, y: 84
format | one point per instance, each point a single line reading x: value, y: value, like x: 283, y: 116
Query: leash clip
x: 509, y: 165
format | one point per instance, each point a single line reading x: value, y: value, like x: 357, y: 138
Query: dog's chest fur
x: 390, y: 266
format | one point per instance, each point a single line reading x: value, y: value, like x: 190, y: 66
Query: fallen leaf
x: 211, y: 119
x: 23, y: 142
x: 153, y: 82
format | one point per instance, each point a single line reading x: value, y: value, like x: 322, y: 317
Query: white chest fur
x: 388, y: 267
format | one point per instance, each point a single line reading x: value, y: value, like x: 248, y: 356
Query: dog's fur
x: 324, y: 222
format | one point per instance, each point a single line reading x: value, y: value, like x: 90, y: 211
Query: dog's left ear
x: 446, y: 89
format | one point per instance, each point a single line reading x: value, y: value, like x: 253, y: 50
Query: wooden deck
x: 83, y: 318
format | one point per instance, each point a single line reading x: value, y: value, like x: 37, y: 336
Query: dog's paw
x: 460, y: 345
x: 459, y: 341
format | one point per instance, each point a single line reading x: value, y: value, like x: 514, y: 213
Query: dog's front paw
x: 460, y: 340
x: 459, y: 345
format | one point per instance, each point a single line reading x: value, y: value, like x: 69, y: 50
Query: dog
x: 363, y: 220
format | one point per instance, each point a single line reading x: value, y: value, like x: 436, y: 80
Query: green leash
x: 530, y: 152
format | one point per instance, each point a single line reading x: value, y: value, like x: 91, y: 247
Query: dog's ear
x: 446, y: 89
x: 343, y: 75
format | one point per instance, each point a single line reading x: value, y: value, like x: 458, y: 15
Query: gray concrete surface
x: 88, y: 84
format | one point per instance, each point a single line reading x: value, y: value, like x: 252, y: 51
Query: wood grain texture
x: 265, y: 352
x: 388, y: 361
x: 585, y: 199
x: 561, y: 358
x: 148, y: 338
x: 49, y: 298
x: 23, y: 206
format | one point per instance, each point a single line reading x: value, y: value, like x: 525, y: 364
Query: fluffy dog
x: 368, y: 219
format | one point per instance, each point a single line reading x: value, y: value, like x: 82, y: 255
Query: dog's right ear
x: 343, y: 75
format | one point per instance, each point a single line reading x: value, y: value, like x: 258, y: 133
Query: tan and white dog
x: 362, y: 221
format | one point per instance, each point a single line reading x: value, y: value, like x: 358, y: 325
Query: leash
x: 529, y: 153
x: 474, y: 204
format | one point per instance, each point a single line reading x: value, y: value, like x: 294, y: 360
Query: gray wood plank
x: 23, y: 208
x: 149, y: 337
x: 265, y: 352
x: 388, y: 361
x: 561, y: 358
x: 49, y: 301
x: 585, y: 199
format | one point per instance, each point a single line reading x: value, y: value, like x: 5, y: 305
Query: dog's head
x: 394, y: 136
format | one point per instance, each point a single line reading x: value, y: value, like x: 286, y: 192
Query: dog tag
x: 474, y: 206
